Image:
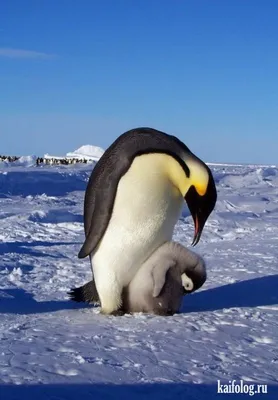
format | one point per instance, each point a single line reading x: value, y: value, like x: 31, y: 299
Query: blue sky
x: 83, y: 72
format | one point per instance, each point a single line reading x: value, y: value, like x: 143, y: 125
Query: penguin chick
x: 159, y: 285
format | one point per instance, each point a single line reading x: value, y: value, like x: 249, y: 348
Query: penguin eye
x: 188, y: 286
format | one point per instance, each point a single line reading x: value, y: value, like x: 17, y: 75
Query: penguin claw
x: 85, y: 294
x: 76, y: 294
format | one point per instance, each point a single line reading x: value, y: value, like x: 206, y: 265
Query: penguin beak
x: 198, y: 230
x: 201, y: 207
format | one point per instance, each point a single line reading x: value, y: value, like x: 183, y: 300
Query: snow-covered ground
x: 52, y: 348
x: 86, y: 152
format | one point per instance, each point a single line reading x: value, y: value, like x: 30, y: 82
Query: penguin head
x: 187, y: 283
x: 201, y: 196
x: 196, y: 184
x: 193, y: 279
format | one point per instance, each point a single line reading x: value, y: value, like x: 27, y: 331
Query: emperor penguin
x: 160, y: 283
x: 133, y: 200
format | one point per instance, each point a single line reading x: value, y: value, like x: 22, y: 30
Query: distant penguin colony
x: 49, y: 160
x: 160, y: 283
x: 133, y: 200
x: 60, y: 161
x: 9, y: 158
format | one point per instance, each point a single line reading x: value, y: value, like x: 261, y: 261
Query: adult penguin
x: 133, y: 200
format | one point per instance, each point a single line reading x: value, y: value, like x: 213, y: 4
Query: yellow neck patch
x: 199, y: 176
x: 176, y: 174
x: 169, y: 167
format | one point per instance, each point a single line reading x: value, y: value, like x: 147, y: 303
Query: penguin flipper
x: 86, y: 293
x: 159, y: 273
x: 99, y: 199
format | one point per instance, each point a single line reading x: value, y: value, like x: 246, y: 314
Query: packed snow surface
x: 87, y: 151
x: 52, y: 348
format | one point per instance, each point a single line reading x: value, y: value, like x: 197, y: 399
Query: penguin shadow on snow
x: 18, y: 301
x: 261, y: 291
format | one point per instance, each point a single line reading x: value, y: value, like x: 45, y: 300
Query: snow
x: 49, y: 156
x: 87, y: 152
x: 52, y: 348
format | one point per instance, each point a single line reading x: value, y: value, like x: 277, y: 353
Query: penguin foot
x: 86, y: 293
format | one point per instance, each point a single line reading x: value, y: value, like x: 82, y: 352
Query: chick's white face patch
x: 187, y: 282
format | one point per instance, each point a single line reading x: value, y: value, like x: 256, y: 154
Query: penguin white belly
x: 146, y: 209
